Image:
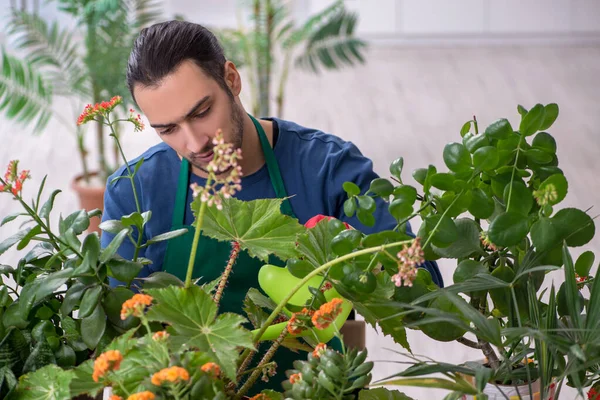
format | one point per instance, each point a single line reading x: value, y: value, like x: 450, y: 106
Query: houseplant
x: 275, y: 43
x: 82, y: 65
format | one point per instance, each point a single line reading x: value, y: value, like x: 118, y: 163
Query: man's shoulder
x: 155, y: 159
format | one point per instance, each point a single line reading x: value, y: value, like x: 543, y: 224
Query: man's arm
x: 349, y: 165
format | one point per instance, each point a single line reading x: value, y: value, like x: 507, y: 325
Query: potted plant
x: 56, y: 63
x: 325, y: 41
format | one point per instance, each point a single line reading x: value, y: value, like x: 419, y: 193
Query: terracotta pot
x: 91, y: 197
x: 354, y: 332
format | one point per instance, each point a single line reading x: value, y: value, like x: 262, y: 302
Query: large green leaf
x: 499, y: 129
x: 442, y: 228
x: 482, y: 204
x: 192, y: 313
x: 518, y: 198
x: 40, y: 356
x: 544, y: 234
x: 382, y: 394
x: 48, y: 383
x: 467, y: 241
x: 12, y: 240
x: 550, y: 115
x: 456, y: 157
x: 533, y: 120
x: 575, y: 226
x: 24, y: 93
x: 14, y: 350
x: 333, y: 45
x: 508, y: 229
x: 258, y: 226
x: 93, y: 327
x: 42, y: 287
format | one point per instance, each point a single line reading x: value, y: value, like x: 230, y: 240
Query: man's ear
x: 232, y: 78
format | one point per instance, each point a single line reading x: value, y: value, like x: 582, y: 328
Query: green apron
x: 212, y: 256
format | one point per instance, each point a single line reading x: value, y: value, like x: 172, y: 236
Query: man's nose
x: 195, y: 142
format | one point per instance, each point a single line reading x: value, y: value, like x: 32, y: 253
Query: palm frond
x: 52, y: 51
x: 314, y: 23
x: 142, y: 13
x: 234, y: 43
x: 24, y: 94
x: 333, y: 45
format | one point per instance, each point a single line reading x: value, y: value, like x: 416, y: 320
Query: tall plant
x: 56, y: 63
x: 275, y: 40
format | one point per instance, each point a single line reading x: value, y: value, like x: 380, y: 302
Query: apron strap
x: 273, y: 168
x: 182, y: 192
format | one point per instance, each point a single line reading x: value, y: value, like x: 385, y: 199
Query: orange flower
x: 136, y: 120
x: 327, y: 313
x: 142, y: 396
x: 297, y: 323
x: 107, y: 361
x: 295, y: 378
x: 172, y: 374
x: 260, y: 396
x: 212, y: 369
x: 13, y: 179
x: 319, y: 350
x: 115, y: 397
x: 135, y: 305
x: 160, y: 335
x: 91, y: 112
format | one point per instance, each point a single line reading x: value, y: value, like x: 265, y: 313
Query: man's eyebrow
x: 189, y: 114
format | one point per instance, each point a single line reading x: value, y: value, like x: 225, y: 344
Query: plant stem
x: 317, y: 271
x: 190, y: 269
x: 267, y: 357
x: 405, y: 220
x: 489, y: 353
x: 339, y: 335
x: 282, y: 82
x: 244, y: 365
x: 235, y: 251
x: 468, y: 343
x: 512, y: 178
x: 83, y: 154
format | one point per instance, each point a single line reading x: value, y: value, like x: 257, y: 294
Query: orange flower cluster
x: 212, y: 369
x: 142, y: 396
x: 298, y: 321
x: 260, y: 396
x: 107, y: 361
x: 135, y: 305
x: 319, y: 350
x: 295, y: 378
x: 136, y: 120
x: 13, y: 179
x: 327, y: 313
x: 91, y: 112
x: 172, y: 375
x: 162, y: 335
x: 115, y: 397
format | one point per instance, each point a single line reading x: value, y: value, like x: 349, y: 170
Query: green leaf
x: 518, y: 198
x: 532, y: 121
x: 400, y: 209
x: 11, y: 217
x: 439, y: 383
x: 193, y: 316
x: 486, y: 158
x: 72, y: 298
x: 65, y: 356
x: 40, y: 356
x: 572, y: 292
x: 48, y: 205
x: 558, y: 185
x: 314, y: 244
x: 419, y: 175
x: 258, y: 226
x: 457, y: 157
x: 365, y: 217
x: 382, y: 394
x: 499, y: 129
x: 538, y: 156
x: 299, y: 268
x: 113, y: 226
x: 366, y: 203
x: 25, y: 241
x: 508, y: 229
x: 482, y: 205
x: 405, y: 193
x: 466, y: 243
x: 17, y: 237
x: 550, y: 115
x: 468, y: 269
x: 93, y: 327
x: 381, y: 187
x: 544, y: 234
x: 545, y: 142
x: 133, y: 219
x: 584, y: 262
x: 14, y: 350
x: 443, y: 181
x: 522, y: 110
x: 112, y: 303
x: 36, y: 292
x: 123, y: 270
x: 396, y: 168
x: 90, y: 301
x: 474, y: 142
x: 445, y: 229
x: 114, y: 245
x: 465, y: 128
x: 161, y: 279
x: 487, y: 329
x: 351, y: 188
x: 167, y: 236
x: 48, y: 383
x: 574, y: 226
x: 349, y: 207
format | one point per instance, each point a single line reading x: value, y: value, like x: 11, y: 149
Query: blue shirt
x: 314, y: 166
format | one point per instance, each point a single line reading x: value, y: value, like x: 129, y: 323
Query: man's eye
x: 167, y: 131
x: 202, y: 114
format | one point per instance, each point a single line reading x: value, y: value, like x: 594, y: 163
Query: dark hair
x: 161, y: 48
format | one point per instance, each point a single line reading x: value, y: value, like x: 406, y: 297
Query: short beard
x: 237, y: 122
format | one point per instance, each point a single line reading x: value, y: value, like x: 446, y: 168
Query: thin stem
x: 405, y: 220
x: 244, y: 365
x: 489, y: 353
x: 235, y: 251
x: 468, y: 343
x: 317, y: 271
x: 190, y: 269
x: 282, y: 82
x: 514, y: 295
x: 512, y: 178
x: 339, y: 335
x: 267, y: 357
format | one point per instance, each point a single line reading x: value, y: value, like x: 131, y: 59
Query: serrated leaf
x: 48, y: 383
x: 382, y: 394
x: 258, y: 226
x: 192, y: 314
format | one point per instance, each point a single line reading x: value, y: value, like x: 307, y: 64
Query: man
x: 181, y: 80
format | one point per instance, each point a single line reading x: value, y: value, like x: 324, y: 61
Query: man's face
x: 187, y: 108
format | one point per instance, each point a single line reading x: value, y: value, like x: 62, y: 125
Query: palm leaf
x: 313, y: 24
x: 333, y: 45
x: 24, y: 93
x: 52, y: 51
x: 234, y: 43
